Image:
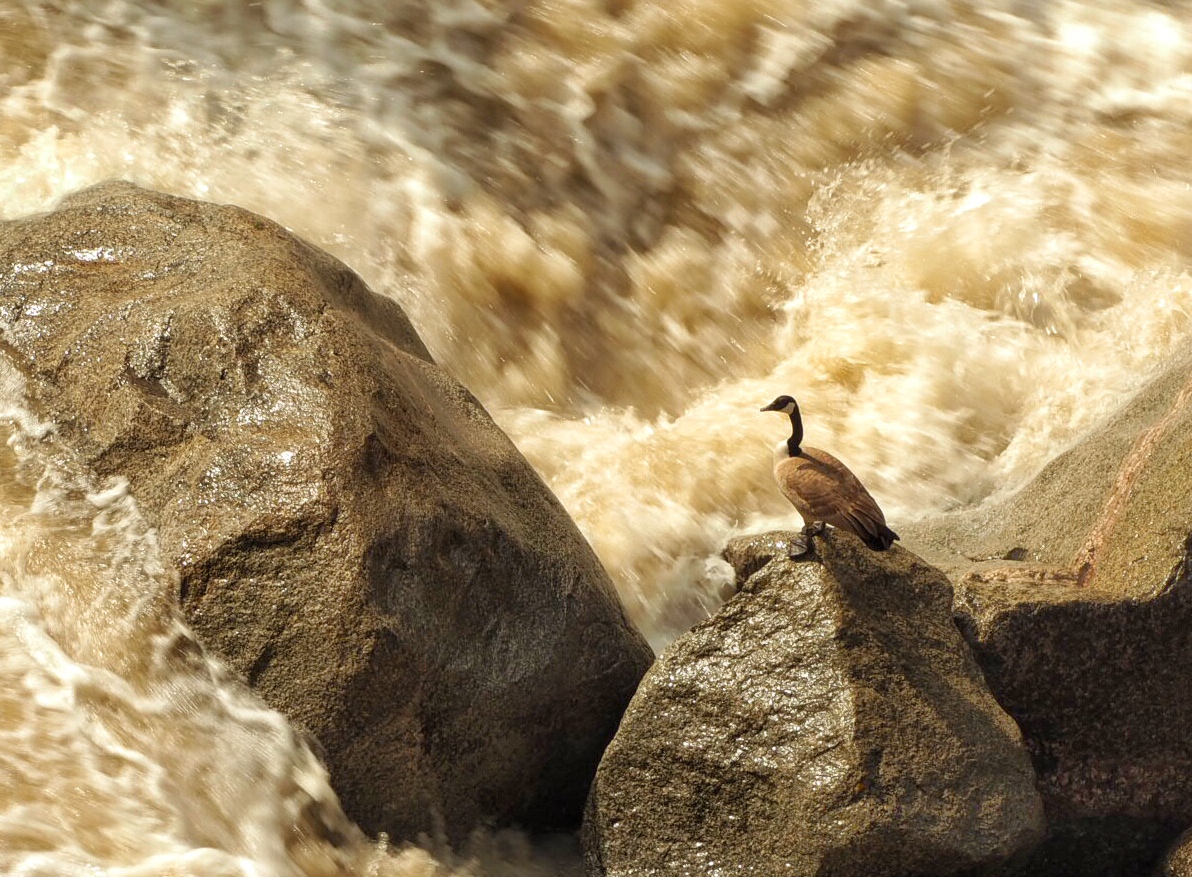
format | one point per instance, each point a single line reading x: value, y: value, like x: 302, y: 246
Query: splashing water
x: 959, y: 235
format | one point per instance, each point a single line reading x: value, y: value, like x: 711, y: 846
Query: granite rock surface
x: 828, y: 720
x: 352, y: 532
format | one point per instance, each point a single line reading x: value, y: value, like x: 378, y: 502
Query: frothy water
x: 959, y: 235
x: 120, y: 741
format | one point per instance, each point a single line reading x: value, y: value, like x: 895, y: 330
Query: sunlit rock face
x: 1178, y: 861
x: 351, y: 530
x: 829, y: 720
x: 1076, y: 594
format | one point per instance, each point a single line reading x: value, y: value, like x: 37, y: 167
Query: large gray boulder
x: 828, y: 720
x: 1076, y: 595
x: 351, y: 530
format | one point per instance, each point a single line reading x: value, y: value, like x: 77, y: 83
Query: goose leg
x: 801, y: 544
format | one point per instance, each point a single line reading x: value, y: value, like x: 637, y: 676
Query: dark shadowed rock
x: 352, y: 531
x: 1087, y: 639
x: 828, y: 720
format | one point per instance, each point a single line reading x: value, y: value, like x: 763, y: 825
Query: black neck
x: 796, y: 439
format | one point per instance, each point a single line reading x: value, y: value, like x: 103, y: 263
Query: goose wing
x: 823, y: 489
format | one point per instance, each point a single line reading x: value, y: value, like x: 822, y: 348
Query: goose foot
x: 801, y: 544
x: 799, y: 547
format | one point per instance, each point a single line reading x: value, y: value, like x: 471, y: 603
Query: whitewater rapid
x: 959, y: 234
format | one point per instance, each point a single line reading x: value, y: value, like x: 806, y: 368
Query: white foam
x: 957, y: 234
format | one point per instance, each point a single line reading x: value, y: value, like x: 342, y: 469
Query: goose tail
x: 883, y: 539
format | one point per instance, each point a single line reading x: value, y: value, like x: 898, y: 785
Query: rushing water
x: 959, y: 233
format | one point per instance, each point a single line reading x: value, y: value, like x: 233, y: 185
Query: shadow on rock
x: 1076, y: 595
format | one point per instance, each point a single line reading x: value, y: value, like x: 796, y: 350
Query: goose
x: 823, y: 490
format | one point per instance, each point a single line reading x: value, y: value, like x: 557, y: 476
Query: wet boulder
x: 828, y: 720
x: 1076, y: 595
x: 351, y: 531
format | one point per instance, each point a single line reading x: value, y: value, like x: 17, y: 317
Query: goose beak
x: 769, y: 407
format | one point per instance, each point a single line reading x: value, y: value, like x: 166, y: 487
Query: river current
x: 960, y: 233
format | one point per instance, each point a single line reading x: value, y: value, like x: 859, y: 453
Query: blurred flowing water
x: 960, y: 233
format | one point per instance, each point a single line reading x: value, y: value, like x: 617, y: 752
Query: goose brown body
x: 823, y: 490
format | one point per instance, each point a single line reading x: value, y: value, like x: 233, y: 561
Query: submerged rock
x: 828, y: 720
x: 352, y: 531
x: 1086, y: 638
